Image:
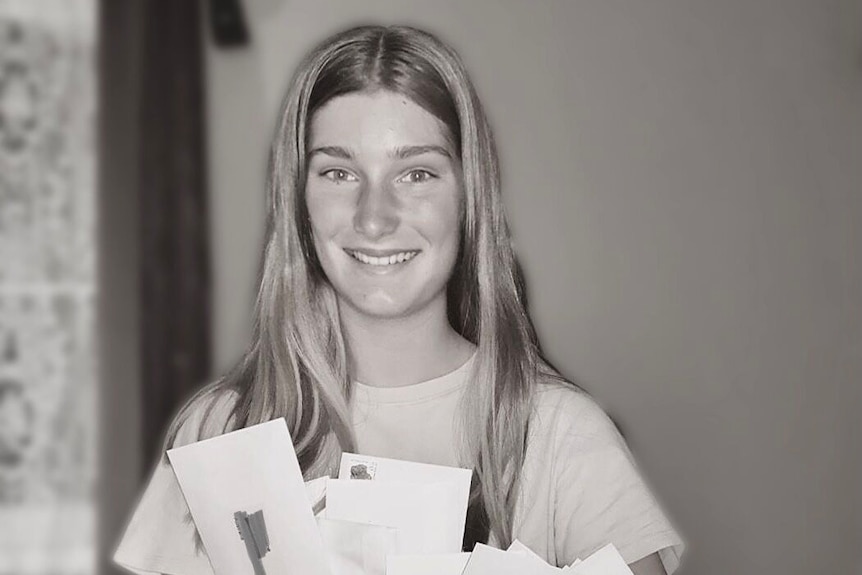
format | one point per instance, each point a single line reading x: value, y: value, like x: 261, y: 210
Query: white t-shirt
x: 580, y: 486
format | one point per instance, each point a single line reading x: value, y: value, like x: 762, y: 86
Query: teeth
x: 383, y: 261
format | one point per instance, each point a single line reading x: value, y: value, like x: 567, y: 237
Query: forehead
x: 377, y: 120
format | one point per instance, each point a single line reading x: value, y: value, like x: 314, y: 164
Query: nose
x: 376, y: 212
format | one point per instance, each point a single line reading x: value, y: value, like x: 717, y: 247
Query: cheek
x: 453, y: 218
x: 320, y: 227
x: 323, y: 214
x: 443, y: 223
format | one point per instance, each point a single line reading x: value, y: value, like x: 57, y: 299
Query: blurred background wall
x: 684, y: 180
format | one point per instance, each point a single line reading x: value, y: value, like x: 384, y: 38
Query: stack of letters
x: 380, y: 516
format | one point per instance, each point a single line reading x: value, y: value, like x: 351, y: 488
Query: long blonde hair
x: 296, y: 365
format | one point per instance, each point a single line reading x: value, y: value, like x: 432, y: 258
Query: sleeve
x: 161, y: 537
x: 602, y: 497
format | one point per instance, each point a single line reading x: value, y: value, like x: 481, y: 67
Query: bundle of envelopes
x: 256, y: 515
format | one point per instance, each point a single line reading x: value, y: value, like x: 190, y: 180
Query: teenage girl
x: 391, y: 321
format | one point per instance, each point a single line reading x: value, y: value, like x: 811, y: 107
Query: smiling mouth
x: 383, y: 260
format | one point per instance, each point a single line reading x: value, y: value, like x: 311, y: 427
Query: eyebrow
x: 334, y: 151
x: 404, y: 152
x: 399, y: 153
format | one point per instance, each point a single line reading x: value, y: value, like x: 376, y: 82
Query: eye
x: 338, y: 175
x: 417, y: 176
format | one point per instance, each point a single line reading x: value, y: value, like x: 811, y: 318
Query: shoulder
x: 208, y: 413
x: 582, y: 473
x: 564, y: 414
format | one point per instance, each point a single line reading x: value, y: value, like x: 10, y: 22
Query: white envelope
x: 444, y: 564
x: 521, y: 549
x: 253, y: 469
x: 356, y: 549
x: 381, y: 469
x: 490, y: 561
x: 518, y: 547
x: 605, y: 561
x: 429, y: 517
x: 316, y: 489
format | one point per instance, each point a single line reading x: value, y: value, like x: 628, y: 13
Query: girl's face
x: 384, y: 199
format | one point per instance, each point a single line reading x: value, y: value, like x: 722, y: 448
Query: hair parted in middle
x: 296, y: 365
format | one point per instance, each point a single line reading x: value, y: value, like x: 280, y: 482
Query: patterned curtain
x: 47, y: 287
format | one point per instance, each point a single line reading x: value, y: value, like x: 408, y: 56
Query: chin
x: 382, y: 310
x: 388, y: 306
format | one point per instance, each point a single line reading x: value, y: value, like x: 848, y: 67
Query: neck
x: 391, y: 352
